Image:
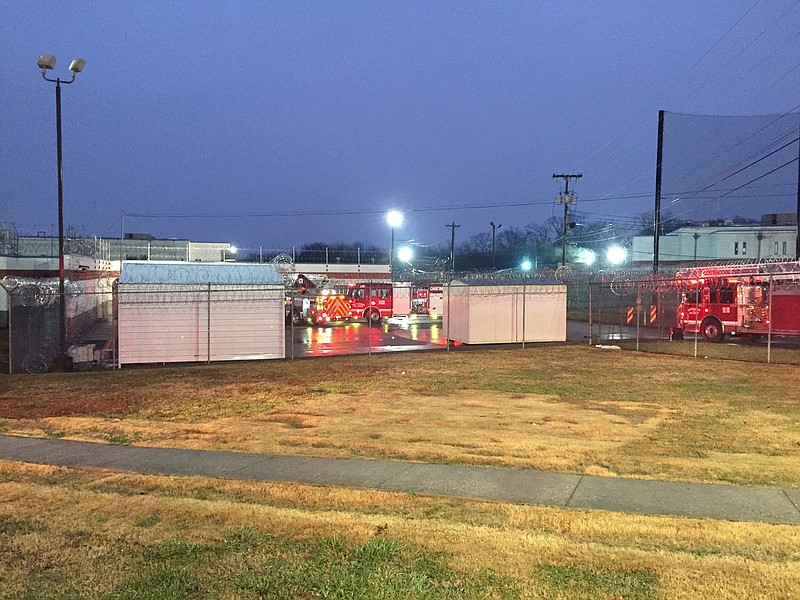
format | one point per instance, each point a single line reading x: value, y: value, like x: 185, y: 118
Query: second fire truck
x: 740, y: 300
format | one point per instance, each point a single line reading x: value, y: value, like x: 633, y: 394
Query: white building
x: 492, y: 312
x: 170, y: 312
x: 143, y: 246
x: 727, y: 242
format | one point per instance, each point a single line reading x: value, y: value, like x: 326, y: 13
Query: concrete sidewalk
x: 734, y: 503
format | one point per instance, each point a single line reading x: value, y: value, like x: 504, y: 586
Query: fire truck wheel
x: 711, y: 329
x: 373, y: 316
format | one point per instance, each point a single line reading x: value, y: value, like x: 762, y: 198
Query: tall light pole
x: 452, y: 227
x: 566, y: 199
x: 394, y: 219
x: 47, y: 62
x: 498, y: 226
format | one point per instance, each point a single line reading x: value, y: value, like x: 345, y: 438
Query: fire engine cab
x: 740, y: 300
x: 307, y: 303
x: 370, y: 301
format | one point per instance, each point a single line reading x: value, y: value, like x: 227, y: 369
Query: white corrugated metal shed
x: 199, y: 312
x: 506, y: 311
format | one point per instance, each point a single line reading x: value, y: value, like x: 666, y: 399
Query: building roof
x: 193, y: 273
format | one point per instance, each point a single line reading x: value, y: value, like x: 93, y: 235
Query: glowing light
x: 405, y: 254
x: 394, y: 218
x: 233, y: 249
x: 526, y: 265
x: 587, y: 257
x: 616, y: 255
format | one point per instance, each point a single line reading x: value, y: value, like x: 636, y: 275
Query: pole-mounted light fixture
x: 47, y: 62
x: 395, y: 219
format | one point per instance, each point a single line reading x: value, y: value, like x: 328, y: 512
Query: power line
x: 786, y: 164
x: 755, y: 162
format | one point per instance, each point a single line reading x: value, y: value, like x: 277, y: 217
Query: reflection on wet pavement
x: 396, y: 334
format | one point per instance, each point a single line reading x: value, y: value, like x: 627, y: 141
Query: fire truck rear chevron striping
x: 739, y: 300
x: 367, y: 300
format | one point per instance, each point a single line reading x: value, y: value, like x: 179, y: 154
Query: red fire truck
x: 338, y: 302
x: 740, y: 300
x: 370, y: 301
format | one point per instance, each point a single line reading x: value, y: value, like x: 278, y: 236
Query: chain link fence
x: 34, y: 320
x: 738, y: 312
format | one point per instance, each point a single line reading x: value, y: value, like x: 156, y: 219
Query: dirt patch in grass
x: 577, y: 410
x: 95, y: 534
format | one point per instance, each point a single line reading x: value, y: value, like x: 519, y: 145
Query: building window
x: 776, y: 249
x: 736, y: 248
x: 744, y: 248
x: 784, y: 247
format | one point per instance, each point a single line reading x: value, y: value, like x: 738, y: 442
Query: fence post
x: 590, y: 310
x: 291, y: 323
x: 638, y: 310
x: 697, y: 319
x: 600, y: 310
x: 208, y: 325
x: 449, y: 300
x: 524, y: 289
x: 769, y: 322
x: 369, y: 319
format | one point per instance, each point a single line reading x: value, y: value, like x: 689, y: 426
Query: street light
x: 394, y: 219
x: 405, y: 254
x: 47, y: 62
x: 229, y: 253
x: 616, y: 255
x: 498, y: 226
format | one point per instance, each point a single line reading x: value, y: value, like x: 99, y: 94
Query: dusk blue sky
x: 224, y: 115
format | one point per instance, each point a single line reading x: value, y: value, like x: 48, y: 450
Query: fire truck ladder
x: 777, y: 268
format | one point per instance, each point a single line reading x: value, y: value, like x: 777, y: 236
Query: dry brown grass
x: 68, y: 528
x: 569, y: 409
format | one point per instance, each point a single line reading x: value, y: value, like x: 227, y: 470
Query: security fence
x: 748, y: 312
x: 741, y: 312
x: 34, y: 324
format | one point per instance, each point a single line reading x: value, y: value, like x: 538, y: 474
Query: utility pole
x: 797, y: 214
x: 566, y: 199
x: 453, y: 228
x: 498, y: 226
x: 657, y: 208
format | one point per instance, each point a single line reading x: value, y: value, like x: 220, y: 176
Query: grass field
x: 67, y: 533
x: 567, y: 409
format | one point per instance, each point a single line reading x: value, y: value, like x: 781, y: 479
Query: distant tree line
x: 541, y: 243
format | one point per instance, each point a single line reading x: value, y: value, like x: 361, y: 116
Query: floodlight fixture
x: 405, y: 254
x: 45, y: 62
x: 394, y: 218
x: 616, y: 255
x: 76, y: 66
x: 586, y: 256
